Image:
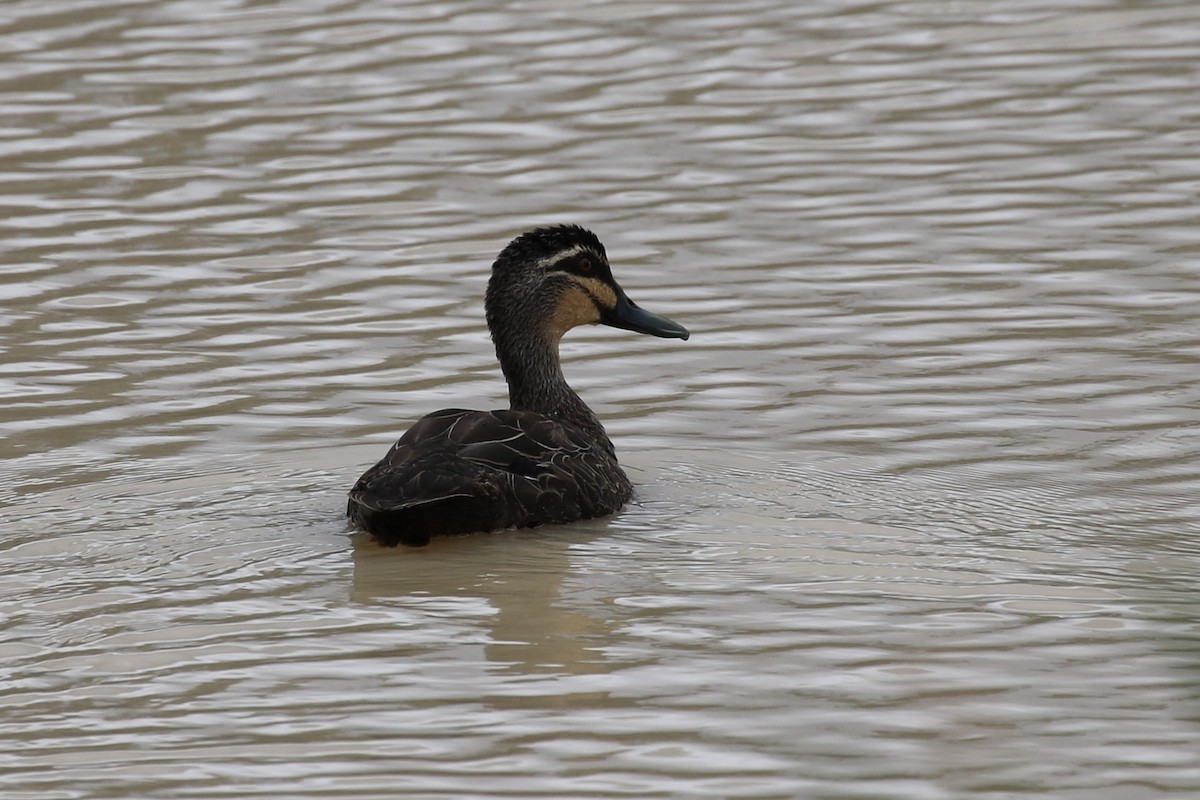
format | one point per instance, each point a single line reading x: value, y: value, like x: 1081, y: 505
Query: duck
x: 546, y: 459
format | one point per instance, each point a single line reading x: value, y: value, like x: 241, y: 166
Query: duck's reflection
x: 522, y: 575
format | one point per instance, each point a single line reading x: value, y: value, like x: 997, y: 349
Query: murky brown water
x: 918, y: 510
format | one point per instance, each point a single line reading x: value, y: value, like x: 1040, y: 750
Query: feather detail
x: 458, y: 471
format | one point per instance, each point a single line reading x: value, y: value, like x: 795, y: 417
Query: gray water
x: 917, y: 509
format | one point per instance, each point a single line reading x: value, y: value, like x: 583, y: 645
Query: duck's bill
x: 628, y: 316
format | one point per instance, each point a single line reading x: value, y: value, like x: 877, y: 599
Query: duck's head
x: 550, y: 280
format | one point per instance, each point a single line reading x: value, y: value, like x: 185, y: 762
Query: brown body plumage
x: 547, y: 458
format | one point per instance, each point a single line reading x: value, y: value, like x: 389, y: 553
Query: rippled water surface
x: 917, y: 509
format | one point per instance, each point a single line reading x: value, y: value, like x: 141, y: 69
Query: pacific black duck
x: 546, y: 459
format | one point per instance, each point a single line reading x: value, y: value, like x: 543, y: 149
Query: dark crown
x: 542, y: 242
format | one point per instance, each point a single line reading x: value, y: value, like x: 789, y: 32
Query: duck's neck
x: 536, y: 383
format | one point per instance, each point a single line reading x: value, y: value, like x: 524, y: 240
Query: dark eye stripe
x: 566, y: 263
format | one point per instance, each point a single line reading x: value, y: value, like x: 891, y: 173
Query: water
x: 916, y: 511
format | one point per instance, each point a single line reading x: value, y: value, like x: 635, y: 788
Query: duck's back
x: 458, y: 471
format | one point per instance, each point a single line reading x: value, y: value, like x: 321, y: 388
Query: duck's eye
x: 585, y: 265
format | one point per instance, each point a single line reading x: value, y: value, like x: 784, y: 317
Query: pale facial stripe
x: 563, y: 254
x: 600, y: 293
x: 582, y: 305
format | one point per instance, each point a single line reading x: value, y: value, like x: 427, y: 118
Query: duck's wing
x: 552, y: 471
x: 421, y: 467
x: 481, y: 470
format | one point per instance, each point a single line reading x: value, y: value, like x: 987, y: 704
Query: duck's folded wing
x: 533, y: 468
x: 461, y: 453
x: 520, y: 442
x: 555, y: 471
x: 409, y: 476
